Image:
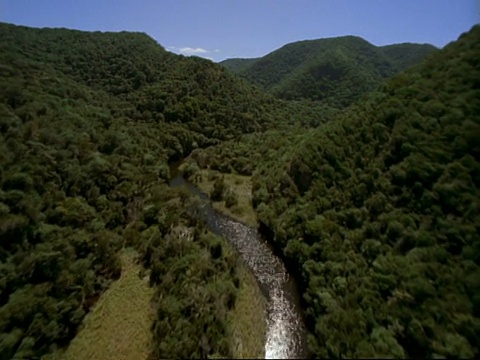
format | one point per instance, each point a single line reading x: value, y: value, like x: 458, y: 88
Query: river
x: 286, y: 334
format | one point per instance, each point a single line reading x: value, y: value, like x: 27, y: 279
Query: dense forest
x: 237, y: 65
x: 336, y: 71
x: 88, y: 124
x: 375, y: 208
x: 379, y: 212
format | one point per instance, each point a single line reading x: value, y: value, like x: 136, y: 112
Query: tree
x: 218, y: 189
x: 230, y: 198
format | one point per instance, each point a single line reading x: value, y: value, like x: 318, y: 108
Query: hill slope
x: 334, y: 70
x: 379, y: 213
x: 237, y: 65
x: 155, y: 86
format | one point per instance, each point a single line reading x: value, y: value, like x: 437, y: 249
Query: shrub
x: 230, y: 198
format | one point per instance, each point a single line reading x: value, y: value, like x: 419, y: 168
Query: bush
x: 230, y: 198
x: 218, y: 189
x: 190, y: 169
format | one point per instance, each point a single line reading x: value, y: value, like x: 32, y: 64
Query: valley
x: 340, y: 213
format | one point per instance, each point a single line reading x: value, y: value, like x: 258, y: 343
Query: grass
x: 118, y: 327
x: 248, y: 318
x: 241, y: 186
x: 248, y: 326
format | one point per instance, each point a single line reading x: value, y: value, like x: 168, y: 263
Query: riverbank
x: 248, y: 318
x: 118, y: 326
x: 240, y: 186
x: 285, y: 335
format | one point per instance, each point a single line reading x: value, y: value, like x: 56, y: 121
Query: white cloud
x: 192, y: 51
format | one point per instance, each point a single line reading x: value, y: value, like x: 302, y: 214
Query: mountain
x: 336, y: 71
x: 378, y: 211
x: 153, y: 85
x: 406, y: 55
x: 134, y: 68
x: 237, y: 65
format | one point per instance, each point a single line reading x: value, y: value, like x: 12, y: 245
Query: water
x: 285, y: 329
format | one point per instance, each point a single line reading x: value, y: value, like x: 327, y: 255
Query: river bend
x: 286, y: 335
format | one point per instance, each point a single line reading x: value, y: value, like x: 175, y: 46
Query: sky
x: 220, y: 29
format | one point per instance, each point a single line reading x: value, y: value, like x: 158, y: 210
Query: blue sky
x: 220, y: 29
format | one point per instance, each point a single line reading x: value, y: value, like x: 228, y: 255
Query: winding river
x: 286, y: 335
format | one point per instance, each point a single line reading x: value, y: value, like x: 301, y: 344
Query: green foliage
x: 189, y: 168
x: 383, y: 214
x: 190, y: 102
x: 230, y: 199
x: 218, y: 189
x: 88, y: 124
x: 336, y: 71
x: 237, y: 65
x: 196, y: 284
x: 378, y: 210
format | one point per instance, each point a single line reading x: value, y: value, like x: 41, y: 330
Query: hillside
x: 379, y: 213
x: 237, y: 65
x: 336, y: 71
x: 88, y: 124
x: 406, y: 55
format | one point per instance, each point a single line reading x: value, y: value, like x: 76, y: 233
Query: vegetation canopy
x: 335, y: 71
x: 375, y: 207
x: 379, y: 211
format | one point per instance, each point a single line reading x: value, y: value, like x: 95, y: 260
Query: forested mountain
x: 379, y: 212
x: 238, y: 65
x: 154, y: 85
x: 88, y: 123
x: 406, y: 55
x: 336, y: 71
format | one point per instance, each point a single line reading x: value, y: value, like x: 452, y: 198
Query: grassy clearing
x: 248, y: 318
x: 118, y: 327
x: 241, y: 186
